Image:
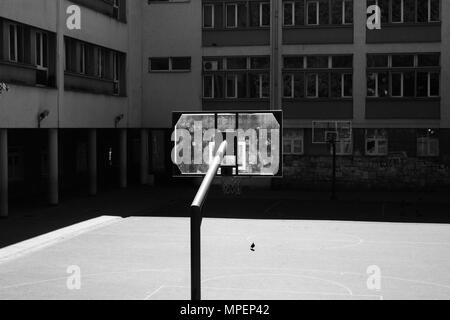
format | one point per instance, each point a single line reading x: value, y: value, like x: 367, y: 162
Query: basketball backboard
x: 329, y: 131
x: 254, y: 142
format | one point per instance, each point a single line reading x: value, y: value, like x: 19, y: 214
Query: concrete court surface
x: 148, y: 258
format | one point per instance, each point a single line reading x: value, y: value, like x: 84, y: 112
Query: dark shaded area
x: 33, y: 218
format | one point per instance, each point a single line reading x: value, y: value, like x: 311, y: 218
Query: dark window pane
x: 231, y: 86
x: 288, y: 85
x: 208, y: 16
x: 324, y: 12
x: 254, y: 14
x: 434, y: 84
x: 265, y: 86
x: 422, y: 84
x: 293, y: 62
x: 260, y: 62
x: 231, y: 15
x: 242, y: 15
x: 241, y: 85
x: 336, y: 85
x: 12, y: 43
x: 207, y: 86
x: 311, y: 89
x: 383, y: 84
x: 159, y: 64
x: 299, y: 85
x: 408, y: 84
x: 402, y: 60
x: 314, y: 62
x: 288, y: 14
x: 409, y: 11
x: 323, y: 85
x: 336, y: 12
x: 348, y: 11
x: 377, y: 61
x: 299, y: 13
x: 218, y: 86
x: 312, y: 8
x: 422, y: 10
x: 396, y: 84
x: 397, y: 11
x: 371, y: 84
x: 384, y: 6
x: 265, y: 11
x: 182, y: 63
x: 434, y: 10
x: 253, y: 85
x: 348, y: 85
x: 429, y: 60
x: 342, y: 61
x: 236, y: 63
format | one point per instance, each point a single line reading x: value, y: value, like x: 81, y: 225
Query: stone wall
x: 362, y: 172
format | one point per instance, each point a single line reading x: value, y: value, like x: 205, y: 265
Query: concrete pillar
x: 53, y: 178
x: 92, y: 154
x: 3, y: 173
x: 123, y: 158
x: 144, y: 156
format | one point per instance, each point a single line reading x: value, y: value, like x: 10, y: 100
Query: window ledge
x: 80, y: 75
x: 401, y: 99
x: 320, y: 26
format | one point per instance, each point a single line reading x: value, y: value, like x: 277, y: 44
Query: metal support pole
x: 196, y: 222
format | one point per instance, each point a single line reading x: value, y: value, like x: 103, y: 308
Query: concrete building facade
x: 93, y: 105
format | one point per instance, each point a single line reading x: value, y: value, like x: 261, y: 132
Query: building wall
x: 71, y: 109
x: 171, y: 30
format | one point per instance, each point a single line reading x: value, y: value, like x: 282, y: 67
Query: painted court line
x: 37, y: 243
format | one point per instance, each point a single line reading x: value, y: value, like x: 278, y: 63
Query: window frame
x: 235, y: 5
x: 316, y: 2
x: 212, y: 6
x: 292, y: 5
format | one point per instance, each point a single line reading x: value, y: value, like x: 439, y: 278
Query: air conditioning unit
x: 210, y: 65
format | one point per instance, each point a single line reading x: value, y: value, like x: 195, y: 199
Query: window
x: 159, y: 64
x: 294, y: 62
x: 82, y: 58
x: 15, y: 164
x: 288, y: 86
x: 288, y: 13
x: 397, y: 11
x: 312, y: 85
x: 236, y: 77
x: 293, y: 142
x: 324, y: 77
x: 403, y: 75
x: 317, y: 62
x: 376, y: 142
x: 171, y: 64
x: 259, y: 14
x: 342, y: 85
x: 264, y: 14
x: 208, y: 16
x: 427, y: 143
x: 116, y: 69
x: 232, y: 15
x: 13, y: 43
x: 236, y: 63
x: 41, y: 50
x: 312, y: 12
x: 257, y: 63
x: 208, y: 86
